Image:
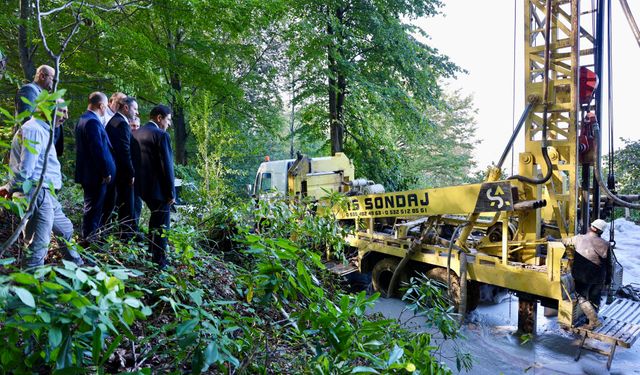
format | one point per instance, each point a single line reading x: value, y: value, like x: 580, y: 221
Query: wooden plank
x: 633, y: 317
x: 634, y: 336
x: 340, y: 269
x: 631, y: 333
x: 594, y: 335
x: 610, y: 328
x: 608, y: 335
x: 608, y: 308
x: 620, y: 328
x: 613, y: 310
x: 626, y: 311
x: 611, y: 354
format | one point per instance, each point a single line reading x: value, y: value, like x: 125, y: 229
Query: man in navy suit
x: 120, y: 194
x: 95, y: 168
x: 154, y: 177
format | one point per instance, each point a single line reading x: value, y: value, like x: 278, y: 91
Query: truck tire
x: 473, y: 288
x: 381, y: 277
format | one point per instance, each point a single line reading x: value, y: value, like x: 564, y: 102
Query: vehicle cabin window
x: 265, y: 181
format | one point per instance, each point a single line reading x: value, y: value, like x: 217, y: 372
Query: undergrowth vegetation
x: 247, y: 293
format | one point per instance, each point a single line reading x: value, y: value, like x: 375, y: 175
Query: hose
x: 403, y: 263
x: 515, y: 133
x: 462, y: 308
x: 455, y: 233
x: 545, y: 94
x: 547, y: 162
x: 597, y: 170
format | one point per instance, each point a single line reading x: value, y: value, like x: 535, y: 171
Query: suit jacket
x: 94, y: 159
x: 119, y: 133
x: 154, y: 176
x: 30, y: 91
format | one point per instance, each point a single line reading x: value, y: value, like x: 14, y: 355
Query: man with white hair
x: 119, y: 198
x: 27, y: 163
x: 113, y: 106
x: 591, y: 269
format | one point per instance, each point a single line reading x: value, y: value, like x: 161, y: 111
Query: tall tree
x: 26, y: 47
x: 361, y: 58
x: 192, y: 47
x: 444, y: 156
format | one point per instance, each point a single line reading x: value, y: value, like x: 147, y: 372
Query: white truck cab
x: 271, y: 178
x: 313, y: 177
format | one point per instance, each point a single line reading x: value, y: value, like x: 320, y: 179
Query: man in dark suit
x: 120, y: 194
x: 155, y: 178
x: 43, y: 80
x: 95, y: 167
x: 135, y: 157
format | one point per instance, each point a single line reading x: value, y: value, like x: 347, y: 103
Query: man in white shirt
x: 27, y: 163
x: 113, y: 106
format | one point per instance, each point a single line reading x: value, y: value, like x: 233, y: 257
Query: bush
x: 65, y: 317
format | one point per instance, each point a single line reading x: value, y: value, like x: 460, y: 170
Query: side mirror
x: 249, y: 189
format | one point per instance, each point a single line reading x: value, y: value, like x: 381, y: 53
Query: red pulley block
x: 588, y: 83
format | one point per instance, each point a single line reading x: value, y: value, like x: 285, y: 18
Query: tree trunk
x: 175, y: 39
x: 181, y: 134
x: 24, y: 46
x: 336, y: 111
x: 179, y: 123
x: 337, y: 84
x: 335, y: 126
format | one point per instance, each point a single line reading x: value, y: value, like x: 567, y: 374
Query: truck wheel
x: 473, y: 288
x: 381, y: 277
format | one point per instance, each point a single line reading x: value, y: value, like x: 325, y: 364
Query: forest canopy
x: 249, y: 79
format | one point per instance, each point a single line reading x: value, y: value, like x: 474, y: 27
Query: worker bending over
x: 591, y: 268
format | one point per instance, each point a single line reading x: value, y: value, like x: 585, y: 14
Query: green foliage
x: 627, y: 167
x: 276, y: 309
x: 200, y: 334
x: 428, y: 298
x: 525, y: 338
x: 340, y: 336
x: 627, y: 173
x: 65, y: 317
x: 192, y: 325
x: 223, y: 68
x: 228, y: 148
x: 444, y: 156
x: 305, y: 222
x: 381, y: 80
